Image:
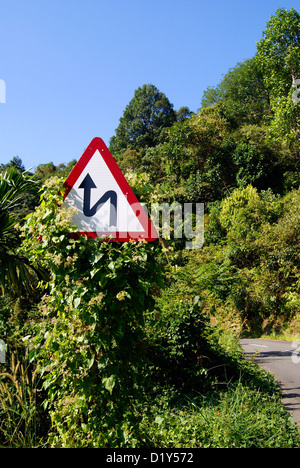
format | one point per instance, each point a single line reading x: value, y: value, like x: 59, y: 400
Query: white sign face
x: 101, y: 204
x: 104, y: 202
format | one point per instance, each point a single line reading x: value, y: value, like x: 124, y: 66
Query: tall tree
x: 145, y: 117
x: 46, y: 171
x: 279, y: 55
x: 279, y: 50
x: 243, y: 94
x: 16, y: 162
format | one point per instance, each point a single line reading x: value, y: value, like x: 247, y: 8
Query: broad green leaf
x: 109, y: 383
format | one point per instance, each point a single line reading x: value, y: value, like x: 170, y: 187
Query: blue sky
x: 71, y: 66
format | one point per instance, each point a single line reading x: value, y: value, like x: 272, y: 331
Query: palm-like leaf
x: 13, y: 185
x: 17, y: 275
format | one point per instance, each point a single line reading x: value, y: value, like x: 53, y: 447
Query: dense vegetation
x: 136, y: 345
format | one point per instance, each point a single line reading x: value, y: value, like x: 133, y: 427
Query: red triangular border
x: 149, y: 233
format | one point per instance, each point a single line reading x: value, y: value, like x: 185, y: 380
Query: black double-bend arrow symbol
x: 88, y: 184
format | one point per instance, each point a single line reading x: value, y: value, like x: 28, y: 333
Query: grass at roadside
x: 239, y: 417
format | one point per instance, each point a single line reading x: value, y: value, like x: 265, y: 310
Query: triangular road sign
x: 105, y: 204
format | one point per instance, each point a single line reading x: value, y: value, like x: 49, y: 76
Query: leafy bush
x: 251, y: 259
x: 89, y: 341
x: 179, y: 347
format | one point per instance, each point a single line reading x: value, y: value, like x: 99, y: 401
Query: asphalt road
x: 282, y: 359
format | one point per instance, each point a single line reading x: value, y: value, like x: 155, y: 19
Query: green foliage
x: 15, y: 163
x: 29, y: 199
x: 180, y: 347
x: 13, y: 185
x: 17, y: 276
x: 144, y: 121
x: 278, y: 50
x: 89, y: 343
x: 195, y: 158
x: 44, y: 172
x: 238, y: 418
x: 257, y: 159
x: 278, y: 54
x: 242, y: 95
x: 20, y: 422
x: 254, y: 264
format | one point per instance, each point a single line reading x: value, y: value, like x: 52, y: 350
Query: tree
x: 130, y: 160
x: 143, y: 121
x: 16, y: 162
x: 257, y: 159
x: 242, y: 93
x: 251, y: 259
x: 45, y: 171
x: 278, y: 53
x: 196, y: 154
x: 279, y: 49
x: 183, y: 113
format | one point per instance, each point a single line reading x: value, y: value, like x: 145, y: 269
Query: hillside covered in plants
x: 135, y: 345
